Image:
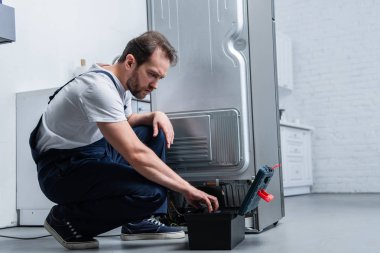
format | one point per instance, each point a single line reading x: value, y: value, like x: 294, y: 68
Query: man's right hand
x: 195, y: 198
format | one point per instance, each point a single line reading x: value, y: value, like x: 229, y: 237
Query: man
x: 100, y: 162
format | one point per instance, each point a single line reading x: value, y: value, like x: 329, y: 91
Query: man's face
x: 144, y: 78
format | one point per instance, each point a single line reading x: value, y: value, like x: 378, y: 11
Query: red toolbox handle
x: 265, y: 196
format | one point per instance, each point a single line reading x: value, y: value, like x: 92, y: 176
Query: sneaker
x: 148, y: 229
x: 65, y: 233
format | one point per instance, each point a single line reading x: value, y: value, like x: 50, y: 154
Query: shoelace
x: 155, y: 221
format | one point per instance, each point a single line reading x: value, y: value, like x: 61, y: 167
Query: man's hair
x: 143, y: 46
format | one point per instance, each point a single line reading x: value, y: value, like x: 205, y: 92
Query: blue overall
x: 94, y: 187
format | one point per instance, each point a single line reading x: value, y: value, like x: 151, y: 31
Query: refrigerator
x: 221, y: 97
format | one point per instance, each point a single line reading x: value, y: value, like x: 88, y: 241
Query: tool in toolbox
x: 225, y: 229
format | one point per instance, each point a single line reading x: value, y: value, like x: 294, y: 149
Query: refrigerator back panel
x: 209, y: 86
x: 222, y: 95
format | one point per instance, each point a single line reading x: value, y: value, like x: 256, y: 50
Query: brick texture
x: 336, y: 71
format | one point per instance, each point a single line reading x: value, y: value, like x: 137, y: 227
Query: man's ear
x: 130, y: 61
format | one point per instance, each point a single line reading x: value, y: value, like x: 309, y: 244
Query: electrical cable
x: 21, y: 238
x: 24, y: 238
x: 36, y: 237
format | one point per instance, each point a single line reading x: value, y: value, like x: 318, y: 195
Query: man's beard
x: 133, y: 85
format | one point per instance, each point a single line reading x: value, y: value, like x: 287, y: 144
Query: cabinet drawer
x: 295, y: 150
x: 140, y: 106
x: 294, y: 134
x: 143, y: 107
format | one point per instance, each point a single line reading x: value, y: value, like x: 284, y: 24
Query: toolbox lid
x: 252, y: 198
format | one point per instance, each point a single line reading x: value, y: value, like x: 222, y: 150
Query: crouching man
x: 103, y: 165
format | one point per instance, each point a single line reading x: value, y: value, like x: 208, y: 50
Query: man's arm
x: 145, y: 118
x: 158, y: 120
x: 122, y: 137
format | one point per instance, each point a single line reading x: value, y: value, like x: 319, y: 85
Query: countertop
x: 296, y: 125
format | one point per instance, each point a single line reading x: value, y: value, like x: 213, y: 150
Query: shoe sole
x: 70, y: 245
x: 152, y: 236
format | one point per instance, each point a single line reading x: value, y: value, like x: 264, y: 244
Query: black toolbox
x: 225, y: 229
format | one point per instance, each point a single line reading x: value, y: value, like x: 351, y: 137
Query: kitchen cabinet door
x: 296, y: 160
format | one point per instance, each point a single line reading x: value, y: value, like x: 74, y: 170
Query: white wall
x: 337, y: 88
x: 51, y: 38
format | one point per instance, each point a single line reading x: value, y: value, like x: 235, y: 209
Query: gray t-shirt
x: 70, y: 119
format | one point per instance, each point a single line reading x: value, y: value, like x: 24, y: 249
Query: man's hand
x: 161, y: 121
x: 196, y: 197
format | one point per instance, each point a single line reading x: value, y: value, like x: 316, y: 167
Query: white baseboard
x: 289, y: 191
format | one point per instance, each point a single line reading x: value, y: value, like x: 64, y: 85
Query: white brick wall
x: 336, y: 61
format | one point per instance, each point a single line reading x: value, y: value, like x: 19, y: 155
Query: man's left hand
x: 161, y: 121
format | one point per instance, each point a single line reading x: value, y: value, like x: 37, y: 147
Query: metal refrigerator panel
x: 265, y: 104
x: 211, y: 79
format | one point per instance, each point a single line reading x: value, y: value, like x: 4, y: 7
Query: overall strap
x: 96, y: 71
x: 59, y: 89
x: 33, y: 136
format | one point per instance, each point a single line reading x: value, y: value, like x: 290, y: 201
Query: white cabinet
x: 296, y: 159
x: 141, y: 105
x: 284, y: 61
x: 32, y: 205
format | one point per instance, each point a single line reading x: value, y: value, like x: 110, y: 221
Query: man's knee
x: 157, y: 143
x: 152, y: 198
x: 161, y: 137
x: 144, y: 133
x: 160, y: 194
